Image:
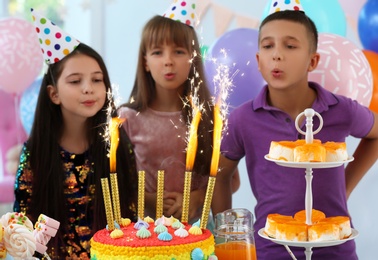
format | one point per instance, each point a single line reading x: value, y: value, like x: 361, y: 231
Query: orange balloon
x: 372, y: 58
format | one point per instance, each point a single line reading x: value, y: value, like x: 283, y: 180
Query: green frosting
x: 160, y: 229
x: 143, y: 233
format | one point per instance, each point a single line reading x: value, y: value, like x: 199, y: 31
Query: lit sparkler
x: 190, y: 158
x: 223, y: 82
x: 114, y: 124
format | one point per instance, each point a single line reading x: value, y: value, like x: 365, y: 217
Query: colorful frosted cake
x: 167, y: 238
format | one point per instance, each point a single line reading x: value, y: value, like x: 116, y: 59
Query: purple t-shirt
x: 278, y: 189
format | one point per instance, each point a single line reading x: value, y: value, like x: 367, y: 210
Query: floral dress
x: 79, y: 195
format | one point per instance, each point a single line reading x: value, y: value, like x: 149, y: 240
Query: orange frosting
x: 300, y: 151
x: 292, y: 230
x: 323, y: 231
x: 316, y: 215
x: 295, y: 229
x: 272, y: 222
x: 333, y: 146
x: 314, y: 152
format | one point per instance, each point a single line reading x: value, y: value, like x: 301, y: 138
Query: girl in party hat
x: 65, y: 156
x: 169, y: 69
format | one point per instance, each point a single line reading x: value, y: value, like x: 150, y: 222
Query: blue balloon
x: 328, y: 15
x: 368, y: 25
x: 237, y: 50
x: 28, y: 104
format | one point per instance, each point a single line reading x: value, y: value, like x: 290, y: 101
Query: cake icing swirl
x: 19, y: 241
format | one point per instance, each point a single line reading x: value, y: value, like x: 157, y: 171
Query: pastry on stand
x: 308, y: 166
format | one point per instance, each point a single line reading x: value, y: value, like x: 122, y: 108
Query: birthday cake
x: 166, y: 238
x: 323, y: 228
x: 300, y: 151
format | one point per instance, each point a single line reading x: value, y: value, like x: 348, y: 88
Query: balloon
x: 237, y: 50
x: 352, y: 8
x: 11, y: 134
x: 327, y: 15
x: 343, y: 68
x: 372, y: 58
x: 204, y: 49
x: 368, y: 25
x: 20, y: 55
x: 28, y: 104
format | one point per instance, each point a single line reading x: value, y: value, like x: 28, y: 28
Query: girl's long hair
x: 157, y: 31
x: 46, y: 162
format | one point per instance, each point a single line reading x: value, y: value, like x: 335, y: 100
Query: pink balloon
x: 11, y: 133
x: 20, y: 55
x: 343, y: 68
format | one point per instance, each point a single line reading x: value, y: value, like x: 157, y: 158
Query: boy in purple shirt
x: 287, y: 52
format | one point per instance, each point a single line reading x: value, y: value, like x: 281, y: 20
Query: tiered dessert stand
x: 308, y: 245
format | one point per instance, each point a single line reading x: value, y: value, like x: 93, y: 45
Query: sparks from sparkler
x: 222, y: 86
x: 192, y: 135
x: 196, y: 111
x: 223, y: 83
x: 114, y: 99
x: 109, y: 111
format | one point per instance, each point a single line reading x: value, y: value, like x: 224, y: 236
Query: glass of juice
x: 234, y: 235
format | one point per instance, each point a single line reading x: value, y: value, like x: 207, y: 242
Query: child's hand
x: 172, y: 204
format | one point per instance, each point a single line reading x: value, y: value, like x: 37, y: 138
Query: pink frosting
x: 45, y: 229
x: 40, y: 237
x: 48, y: 221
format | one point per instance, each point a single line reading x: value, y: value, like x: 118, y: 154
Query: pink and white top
x: 159, y: 140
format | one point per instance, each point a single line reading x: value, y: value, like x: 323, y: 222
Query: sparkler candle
x: 186, y: 197
x: 218, y: 124
x: 190, y: 158
x: 114, y: 140
x: 108, y: 203
x: 159, y: 194
x: 141, y: 180
x: 207, y: 203
x: 115, y: 197
x: 193, y: 140
x: 217, y: 134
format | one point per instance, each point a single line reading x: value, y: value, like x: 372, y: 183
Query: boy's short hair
x: 297, y: 17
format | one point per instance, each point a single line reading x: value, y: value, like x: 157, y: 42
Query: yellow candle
x: 186, y: 197
x: 141, y: 184
x: 159, y: 194
x: 217, y: 134
x: 207, y: 203
x: 107, y: 203
x: 190, y: 158
x: 114, y: 139
x: 115, y: 197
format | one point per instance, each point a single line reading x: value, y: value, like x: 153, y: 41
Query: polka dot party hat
x: 282, y: 5
x: 182, y: 11
x: 55, y: 43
